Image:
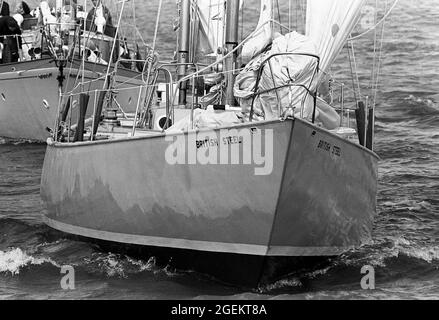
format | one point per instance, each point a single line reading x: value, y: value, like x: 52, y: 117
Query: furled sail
x: 264, y: 32
x: 329, y: 24
x: 287, y: 65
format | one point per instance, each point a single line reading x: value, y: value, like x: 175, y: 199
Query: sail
x: 329, y: 24
x: 263, y: 34
x: 211, y: 15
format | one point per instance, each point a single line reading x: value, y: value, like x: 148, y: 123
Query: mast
x: 183, y: 48
x: 232, y: 31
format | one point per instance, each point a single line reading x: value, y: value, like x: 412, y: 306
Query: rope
x: 352, y: 73
x: 379, y: 65
x: 154, y: 41
x: 134, y: 86
x: 354, y: 60
x: 372, y: 78
x: 239, y: 46
x: 339, y: 83
x: 375, y: 26
x: 279, y: 16
x: 159, y: 11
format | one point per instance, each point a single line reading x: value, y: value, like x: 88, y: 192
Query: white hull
x: 29, y: 95
x: 314, y: 203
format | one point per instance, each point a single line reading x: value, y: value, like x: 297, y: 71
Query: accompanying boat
x: 222, y: 191
x: 30, y: 89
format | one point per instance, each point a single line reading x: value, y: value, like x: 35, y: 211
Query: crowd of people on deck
x: 12, y: 24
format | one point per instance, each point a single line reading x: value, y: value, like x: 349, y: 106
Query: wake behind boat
x: 247, y: 193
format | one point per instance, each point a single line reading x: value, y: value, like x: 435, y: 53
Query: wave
x: 289, y: 283
x: 18, y: 142
x: 404, y: 110
x: 422, y: 106
x: 389, y: 249
x: 14, y: 260
x: 57, y: 254
x: 116, y: 266
x: 392, y: 257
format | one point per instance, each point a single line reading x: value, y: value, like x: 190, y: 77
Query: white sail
x: 211, y: 14
x: 329, y: 24
x: 264, y: 32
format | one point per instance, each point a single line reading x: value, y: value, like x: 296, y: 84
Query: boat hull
x: 29, y: 95
x: 244, y: 271
x: 318, y: 200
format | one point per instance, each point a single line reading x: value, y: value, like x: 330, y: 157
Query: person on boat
x: 44, y: 17
x: 29, y: 21
x: 71, y: 9
x: 10, y: 39
x: 19, y: 18
x: 4, y: 9
x: 23, y: 9
x: 99, y: 20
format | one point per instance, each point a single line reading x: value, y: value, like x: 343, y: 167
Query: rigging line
x: 196, y: 28
x: 88, y: 38
x: 381, y: 21
x: 137, y: 86
x: 272, y: 14
x: 223, y: 19
x: 297, y: 14
x: 95, y: 63
x: 279, y: 16
x: 153, y: 43
x: 352, y: 74
x: 379, y: 64
x: 113, y: 49
x: 282, y: 26
x: 77, y: 33
x: 79, y: 84
x: 149, y: 67
x: 78, y: 30
x: 129, y: 79
x: 139, y: 34
x: 372, y: 77
x: 242, y: 23
x: 209, y: 18
x: 339, y: 83
x: 101, y: 90
x: 133, y: 7
x: 83, y: 54
x: 239, y: 46
x: 289, y: 14
x: 354, y: 60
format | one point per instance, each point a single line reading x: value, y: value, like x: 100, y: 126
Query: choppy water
x: 405, y: 246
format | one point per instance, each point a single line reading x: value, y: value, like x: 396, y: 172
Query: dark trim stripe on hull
x: 208, y: 246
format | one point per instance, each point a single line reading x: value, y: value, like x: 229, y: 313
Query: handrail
x: 193, y: 76
x: 169, y: 95
x: 149, y: 97
x: 285, y: 86
x: 259, y: 76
